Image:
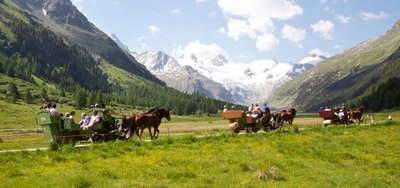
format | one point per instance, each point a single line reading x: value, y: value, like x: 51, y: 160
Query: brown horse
x: 149, y: 120
x: 284, y: 115
x: 356, y: 114
x: 128, y: 125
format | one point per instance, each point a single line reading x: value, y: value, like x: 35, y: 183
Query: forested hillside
x: 385, y: 96
x: 345, y: 76
x: 36, y: 63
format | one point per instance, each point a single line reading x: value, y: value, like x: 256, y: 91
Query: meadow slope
x: 353, y: 156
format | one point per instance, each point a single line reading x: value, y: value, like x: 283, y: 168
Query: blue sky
x: 242, y: 30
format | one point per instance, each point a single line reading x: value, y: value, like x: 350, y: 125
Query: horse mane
x: 151, y: 110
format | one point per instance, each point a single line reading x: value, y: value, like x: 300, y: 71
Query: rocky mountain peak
x: 114, y: 37
x: 395, y: 29
x: 219, y: 60
x: 194, y: 58
x: 64, y: 12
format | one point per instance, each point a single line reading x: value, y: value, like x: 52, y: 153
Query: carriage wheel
x: 255, y: 130
x: 236, y: 131
x: 97, y: 139
x: 248, y: 129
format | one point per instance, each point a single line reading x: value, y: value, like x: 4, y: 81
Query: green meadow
x: 353, y: 156
x: 202, y: 152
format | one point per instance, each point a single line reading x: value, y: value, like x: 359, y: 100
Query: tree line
x: 33, y: 52
x: 385, y: 96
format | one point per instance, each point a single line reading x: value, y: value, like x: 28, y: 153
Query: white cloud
x: 212, y: 14
x: 250, y: 27
x: 325, y: 28
x: 262, y: 24
x: 370, y: 15
x: 338, y: 46
x: 200, y: 1
x: 79, y: 8
x: 154, y: 29
x: 202, y: 51
x: 280, y: 9
x: 326, y: 8
x: 141, y: 38
x: 343, y: 19
x: 266, y: 42
x: 295, y: 35
x: 238, y: 28
x: 221, y: 30
x: 345, y: 1
x: 324, y: 1
x: 176, y: 11
x: 317, y: 51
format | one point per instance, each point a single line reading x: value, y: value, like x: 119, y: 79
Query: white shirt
x: 53, y: 112
x: 341, y: 114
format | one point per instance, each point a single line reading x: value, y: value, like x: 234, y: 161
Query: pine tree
x: 62, y: 93
x: 12, y: 89
x: 186, y: 110
x: 14, y: 98
x: 80, y: 99
x: 91, y: 98
x: 28, y: 97
x: 43, y: 94
x: 99, y: 97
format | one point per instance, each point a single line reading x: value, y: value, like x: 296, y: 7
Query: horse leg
x: 141, y: 132
x: 151, y: 135
x: 158, y: 133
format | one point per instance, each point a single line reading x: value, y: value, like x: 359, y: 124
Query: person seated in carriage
x: 265, y: 108
x: 95, y: 118
x: 328, y: 108
x: 84, y: 121
x: 225, y: 108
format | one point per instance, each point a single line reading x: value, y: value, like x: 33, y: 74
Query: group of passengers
x: 226, y: 108
x: 257, y: 112
x: 339, y: 113
x: 253, y: 111
x: 86, y: 122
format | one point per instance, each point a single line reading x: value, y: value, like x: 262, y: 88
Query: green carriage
x: 62, y: 130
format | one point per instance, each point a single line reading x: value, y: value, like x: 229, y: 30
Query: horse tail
x: 124, y: 121
x: 132, y: 123
x: 277, y: 120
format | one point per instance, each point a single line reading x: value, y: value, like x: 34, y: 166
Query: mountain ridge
x: 63, y: 18
x: 344, y: 76
x: 225, y: 80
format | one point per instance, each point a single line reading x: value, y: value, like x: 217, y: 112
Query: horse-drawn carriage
x: 240, y: 121
x: 340, y: 116
x: 62, y: 130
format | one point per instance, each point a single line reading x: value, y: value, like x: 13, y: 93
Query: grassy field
x: 202, y: 152
x: 353, y: 156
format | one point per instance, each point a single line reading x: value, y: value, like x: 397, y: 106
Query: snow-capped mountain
x: 305, y: 64
x: 114, y: 37
x: 219, y: 78
x: 182, y: 77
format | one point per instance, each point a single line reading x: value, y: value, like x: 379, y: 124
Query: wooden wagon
x: 330, y: 118
x: 239, y: 120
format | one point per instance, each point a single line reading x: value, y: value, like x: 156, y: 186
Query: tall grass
x: 354, y: 156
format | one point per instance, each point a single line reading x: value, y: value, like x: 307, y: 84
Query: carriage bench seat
x: 326, y: 114
x: 233, y: 114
